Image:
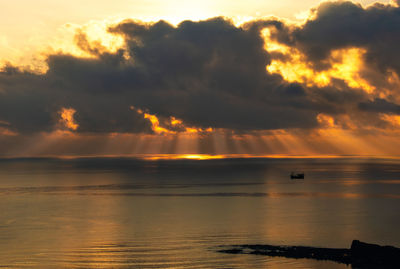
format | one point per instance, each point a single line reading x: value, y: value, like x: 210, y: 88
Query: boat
x: 296, y: 175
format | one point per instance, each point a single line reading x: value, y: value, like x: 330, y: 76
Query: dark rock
x: 360, y: 255
x: 366, y: 255
x: 232, y: 251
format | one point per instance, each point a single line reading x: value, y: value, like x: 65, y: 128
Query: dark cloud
x: 380, y: 106
x: 208, y: 73
x: 212, y: 74
x: 32, y: 103
x: 24, y: 104
x: 344, y: 24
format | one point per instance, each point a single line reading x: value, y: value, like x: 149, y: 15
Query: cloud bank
x: 213, y: 74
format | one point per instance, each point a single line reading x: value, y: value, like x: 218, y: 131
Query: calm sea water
x: 127, y: 213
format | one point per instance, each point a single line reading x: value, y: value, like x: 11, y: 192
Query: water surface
x: 130, y: 213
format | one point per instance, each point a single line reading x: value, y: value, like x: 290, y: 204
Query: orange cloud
x: 155, y: 124
x: 171, y: 122
x: 175, y: 121
x: 345, y: 64
x: 67, y: 118
x: 393, y: 120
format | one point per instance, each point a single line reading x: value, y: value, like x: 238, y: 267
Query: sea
x: 138, y: 213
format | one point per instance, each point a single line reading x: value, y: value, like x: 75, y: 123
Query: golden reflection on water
x: 147, y: 215
x: 362, y: 182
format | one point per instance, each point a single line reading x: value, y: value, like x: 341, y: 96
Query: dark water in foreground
x: 126, y: 213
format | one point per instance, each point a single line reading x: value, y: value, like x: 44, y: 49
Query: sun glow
x: 344, y: 64
x: 393, y: 120
x: 325, y: 142
x: 155, y: 124
x: 175, y: 121
x: 182, y: 156
x: 67, y: 118
x: 326, y: 121
x: 171, y: 122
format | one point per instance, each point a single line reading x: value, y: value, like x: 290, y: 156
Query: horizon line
x: 199, y: 157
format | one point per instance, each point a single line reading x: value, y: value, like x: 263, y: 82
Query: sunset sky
x: 250, y: 78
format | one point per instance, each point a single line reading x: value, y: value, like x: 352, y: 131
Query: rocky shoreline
x: 359, y: 255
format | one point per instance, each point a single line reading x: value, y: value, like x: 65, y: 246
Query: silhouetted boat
x: 294, y: 175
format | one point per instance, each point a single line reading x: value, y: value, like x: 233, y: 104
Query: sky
x: 250, y: 78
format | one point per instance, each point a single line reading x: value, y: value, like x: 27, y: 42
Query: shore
x: 359, y: 255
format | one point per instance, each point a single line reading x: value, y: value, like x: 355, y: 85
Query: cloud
x: 207, y: 74
x: 32, y: 103
x: 380, y: 106
x: 344, y: 24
